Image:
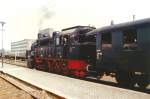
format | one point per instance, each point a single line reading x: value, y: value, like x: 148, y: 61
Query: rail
x: 34, y: 91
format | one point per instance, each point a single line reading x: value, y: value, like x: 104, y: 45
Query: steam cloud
x: 46, y: 12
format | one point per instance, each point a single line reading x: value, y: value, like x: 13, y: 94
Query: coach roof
x: 121, y: 26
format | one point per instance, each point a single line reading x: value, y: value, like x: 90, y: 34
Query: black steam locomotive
x: 121, y: 51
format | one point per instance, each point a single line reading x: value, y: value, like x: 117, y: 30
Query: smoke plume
x: 45, y: 13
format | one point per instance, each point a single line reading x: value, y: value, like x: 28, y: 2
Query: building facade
x: 20, y: 47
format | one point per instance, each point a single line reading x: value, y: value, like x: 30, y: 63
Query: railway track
x: 17, y: 62
x: 9, y: 91
x: 13, y: 88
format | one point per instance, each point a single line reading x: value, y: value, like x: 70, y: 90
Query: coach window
x: 106, y: 41
x: 130, y: 39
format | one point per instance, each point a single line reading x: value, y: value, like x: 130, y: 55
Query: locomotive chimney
x: 112, y: 22
x: 133, y: 17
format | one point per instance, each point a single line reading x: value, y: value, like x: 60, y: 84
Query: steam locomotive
x: 121, y: 51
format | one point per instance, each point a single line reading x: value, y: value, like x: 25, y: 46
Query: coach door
x: 98, y: 47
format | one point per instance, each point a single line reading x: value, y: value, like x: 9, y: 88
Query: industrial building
x: 20, y: 47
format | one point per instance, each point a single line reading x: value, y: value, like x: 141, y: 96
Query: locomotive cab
x: 77, y: 49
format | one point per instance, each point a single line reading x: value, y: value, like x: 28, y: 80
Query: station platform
x: 70, y: 88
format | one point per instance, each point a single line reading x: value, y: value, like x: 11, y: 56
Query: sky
x: 25, y: 17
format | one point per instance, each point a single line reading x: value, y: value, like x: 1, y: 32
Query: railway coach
x: 123, y: 51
